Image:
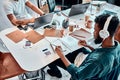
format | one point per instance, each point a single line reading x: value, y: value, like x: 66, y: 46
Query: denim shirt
x: 101, y: 64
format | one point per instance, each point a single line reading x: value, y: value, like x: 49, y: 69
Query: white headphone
x: 104, y: 32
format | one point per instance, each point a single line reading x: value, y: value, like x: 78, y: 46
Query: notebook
x: 43, y: 20
x: 81, y: 34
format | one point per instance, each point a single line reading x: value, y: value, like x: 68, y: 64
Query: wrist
x: 43, y: 14
x: 61, y: 55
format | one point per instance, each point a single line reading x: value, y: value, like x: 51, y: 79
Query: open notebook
x: 81, y: 34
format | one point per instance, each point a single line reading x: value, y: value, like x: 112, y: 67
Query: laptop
x: 78, y: 9
x: 43, y: 21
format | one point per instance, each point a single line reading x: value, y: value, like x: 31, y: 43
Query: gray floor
x: 66, y: 76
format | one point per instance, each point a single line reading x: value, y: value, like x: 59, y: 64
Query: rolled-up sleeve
x: 83, y: 72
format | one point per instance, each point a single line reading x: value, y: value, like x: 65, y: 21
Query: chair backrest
x: 9, y: 67
x: 51, y: 5
x: 33, y: 75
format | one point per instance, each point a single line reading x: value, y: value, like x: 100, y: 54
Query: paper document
x: 53, y: 33
x: 16, y: 36
x: 58, y: 43
x: 34, y: 36
x: 70, y: 42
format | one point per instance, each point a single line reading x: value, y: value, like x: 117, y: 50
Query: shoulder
x: 9, y: 4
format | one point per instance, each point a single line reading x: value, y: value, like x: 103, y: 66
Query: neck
x: 108, y: 42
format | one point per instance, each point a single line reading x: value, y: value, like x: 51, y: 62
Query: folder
x: 34, y: 36
x: 53, y: 32
x: 16, y: 36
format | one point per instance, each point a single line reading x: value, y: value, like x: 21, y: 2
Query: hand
x: 32, y: 20
x: 25, y: 21
x: 82, y: 42
x: 58, y: 50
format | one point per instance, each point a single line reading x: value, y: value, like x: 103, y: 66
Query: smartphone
x: 28, y: 43
x: 20, y: 27
x: 46, y: 51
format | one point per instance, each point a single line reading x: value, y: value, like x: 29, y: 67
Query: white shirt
x: 17, y: 8
x: 4, y: 24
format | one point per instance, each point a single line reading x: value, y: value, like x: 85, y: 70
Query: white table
x: 33, y: 58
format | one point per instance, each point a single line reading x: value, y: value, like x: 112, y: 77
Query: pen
x: 59, y: 48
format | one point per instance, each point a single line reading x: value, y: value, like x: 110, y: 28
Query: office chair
x: 8, y: 66
x: 51, y: 5
x: 33, y: 75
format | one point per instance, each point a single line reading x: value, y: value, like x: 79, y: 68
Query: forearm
x: 91, y: 48
x: 22, y: 22
x: 34, y: 8
x: 17, y: 22
x: 37, y: 10
x: 65, y: 60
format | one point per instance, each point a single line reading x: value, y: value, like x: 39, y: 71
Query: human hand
x: 32, y: 20
x: 25, y: 21
x: 58, y: 50
x: 82, y: 42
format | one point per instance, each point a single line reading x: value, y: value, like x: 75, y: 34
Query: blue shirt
x: 101, y: 64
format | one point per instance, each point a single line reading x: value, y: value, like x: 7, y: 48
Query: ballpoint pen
x: 59, y: 48
x: 64, y: 44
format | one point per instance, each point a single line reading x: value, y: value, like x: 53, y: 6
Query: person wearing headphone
x: 17, y: 13
x: 103, y: 63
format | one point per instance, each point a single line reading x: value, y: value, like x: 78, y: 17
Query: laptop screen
x: 43, y: 20
x: 78, y: 9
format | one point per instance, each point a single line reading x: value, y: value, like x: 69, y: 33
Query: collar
x: 108, y: 48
